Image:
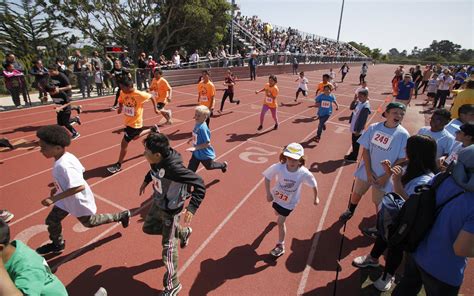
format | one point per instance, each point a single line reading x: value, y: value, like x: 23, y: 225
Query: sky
x: 384, y: 24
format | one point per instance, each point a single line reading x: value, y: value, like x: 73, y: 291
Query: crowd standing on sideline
x: 397, y: 167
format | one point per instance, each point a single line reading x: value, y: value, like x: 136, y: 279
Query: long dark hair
x: 421, y: 154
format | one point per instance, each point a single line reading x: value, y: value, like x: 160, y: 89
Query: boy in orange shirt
x: 323, y: 83
x: 270, y: 102
x: 161, y: 92
x: 206, y: 94
x: 131, y: 103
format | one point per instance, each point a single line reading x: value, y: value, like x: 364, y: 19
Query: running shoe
x: 370, y: 232
x: 278, y: 250
x: 275, y: 127
x: 224, y: 168
x: 317, y: 139
x: 6, y: 216
x: 365, y: 261
x: 125, y: 218
x: 172, y: 292
x: 78, y: 120
x: 350, y: 158
x: 382, y: 284
x: 75, y: 136
x: 259, y: 128
x: 346, y: 215
x: 184, y: 240
x: 115, y: 168
x: 51, y: 248
x: 101, y: 292
x: 5, y: 143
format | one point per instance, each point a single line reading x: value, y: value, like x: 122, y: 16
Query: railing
x: 250, y: 35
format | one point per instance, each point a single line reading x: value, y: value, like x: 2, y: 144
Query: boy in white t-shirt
x: 444, y: 140
x: 361, y: 87
x: 381, y: 141
x: 302, y: 86
x: 290, y: 173
x: 71, y: 194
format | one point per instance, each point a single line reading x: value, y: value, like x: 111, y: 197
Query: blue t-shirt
x: 444, y: 140
x: 404, y: 90
x: 435, y: 254
x: 325, y: 107
x: 383, y: 143
x: 201, y: 135
x: 460, y: 77
x: 453, y: 127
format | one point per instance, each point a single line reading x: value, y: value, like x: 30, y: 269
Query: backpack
x: 417, y: 215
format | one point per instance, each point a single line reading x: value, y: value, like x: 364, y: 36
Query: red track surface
x: 233, y: 230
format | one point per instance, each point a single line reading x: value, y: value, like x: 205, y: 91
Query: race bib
x: 325, y: 104
x: 129, y: 111
x: 203, y: 99
x: 157, y: 184
x: 268, y: 100
x: 195, y: 140
x: 281, y: 196
x: 58, y: 188
x: 381, y: 140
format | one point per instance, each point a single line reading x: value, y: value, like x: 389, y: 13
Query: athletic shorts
x: 63, y: 118
x: 131, y: 133
x: 160, y: 106
x: 361, y: 187
x: 281, y: 210
x: 302, y: 90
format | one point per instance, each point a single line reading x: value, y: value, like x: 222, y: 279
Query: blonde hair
x: 201, y: 109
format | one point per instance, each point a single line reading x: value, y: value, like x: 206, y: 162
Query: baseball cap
x: 150, y: 57
x: 394, y: 105
x: 294, y: 150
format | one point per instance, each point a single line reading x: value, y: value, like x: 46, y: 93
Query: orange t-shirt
x: 273, y: 90
x: 206, y: 91
x: 133, y: 107
x: 321, y: 86
x: 161, y: 88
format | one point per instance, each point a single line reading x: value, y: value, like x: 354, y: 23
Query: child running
x: 302, y: 86
x: 289, y: 173
x: 332, y: 78
x: 322, y: 84
x: 324, y: 104
x: 161, y: 91
x: 202, y: 150
x: 63, y: 109
x: 170, y: 180
x: 229, y: 81
x: 71, y: 194
x: 206, y: 94
x: 131, y: 102
x: 270, y: 101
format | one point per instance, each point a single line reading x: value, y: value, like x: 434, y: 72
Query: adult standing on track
x: 426, y: 77
x: 253, y: 66
x: 118, y: 73
x: 417, y: 78
x: 131, y: 102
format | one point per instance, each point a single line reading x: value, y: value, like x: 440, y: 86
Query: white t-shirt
x: 383, y: 143
x: 68, y: 173
x: 287, y: 189
x: 444, y: 82
x: 432, y: 86
x: 444, y: 140
x: 332, y: 74
x: 361, y: 88
x: 303, y: 83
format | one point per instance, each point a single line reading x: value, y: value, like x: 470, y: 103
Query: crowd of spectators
x: 292, y: 40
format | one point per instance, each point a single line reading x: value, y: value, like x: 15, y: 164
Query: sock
x: 352, y: 207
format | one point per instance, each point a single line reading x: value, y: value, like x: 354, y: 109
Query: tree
x: 445, y: 48
x: 362, y: 48
x: 394, y: 52
x: 376, y: 53
x: 25, y: 27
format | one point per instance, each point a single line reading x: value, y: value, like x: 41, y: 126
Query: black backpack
x: 417, y: 216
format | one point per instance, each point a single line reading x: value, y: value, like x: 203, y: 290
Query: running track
x: 233, y: 230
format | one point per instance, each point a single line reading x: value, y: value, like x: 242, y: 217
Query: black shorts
x: 281, y: 210
x: 431, y: 94
x: 131, y: 133
x: 160, y: 106
x: 63, y: 118
x: 301, y: 90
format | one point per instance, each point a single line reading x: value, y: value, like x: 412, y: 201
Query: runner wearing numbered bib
x: 302, y: 86
x: 324, y: 104
x: 381, y: 141
x: 270, y: 101
x: 206, y: 94
x: 289, y: 174
x: 131, y: 104
x: 161, y: 92
x: 322, y: 84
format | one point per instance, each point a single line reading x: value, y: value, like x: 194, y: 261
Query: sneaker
x: 238, y: 102
x: 113, y: 108
x: 346, y: 215
x: 6, y: 216
x: 275, y: 127
x: 155, y: 129
x: 172, y: 292
x: 125, y: 218
x: 384, y: 285
x: 5, y: 143
x: 317, y: 139
x: 278, y: 250
x: 78, y: 120
x: 365, y: 261
x: 259, y: 128
x: 75, y: 136
x: 224, y: 169
x: 370, y: 232
x: 51, y: 248
x: 115, y: 168
x: 324, y: 127
x: 19, y: 106
x: 184, y: 240
x: 350, y: 158
x: 101, y: 292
